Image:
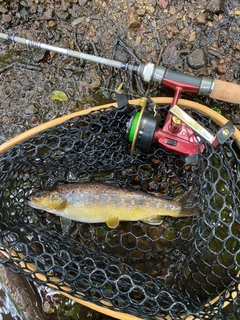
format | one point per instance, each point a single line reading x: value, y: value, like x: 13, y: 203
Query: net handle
x: 215, y: 117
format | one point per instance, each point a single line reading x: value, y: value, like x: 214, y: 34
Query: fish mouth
x: 28, y: 199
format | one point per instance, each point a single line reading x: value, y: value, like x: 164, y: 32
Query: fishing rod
x: 180, y: 82
x: 143, y: 128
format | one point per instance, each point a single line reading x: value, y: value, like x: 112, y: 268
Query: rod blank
x: 68, y: 52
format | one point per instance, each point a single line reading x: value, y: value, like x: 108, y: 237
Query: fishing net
x: 185, y: 268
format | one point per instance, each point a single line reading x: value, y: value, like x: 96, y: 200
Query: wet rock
x: 215, y: 53
x: 3, y: 9
x: 141, y: 12
x: 40, y: 9
x: 52, y: 24
x: 23, y: 3
x: 6, y: 18
x: 171, y: 57
x: 137, y: 41
x: 171, y: 27
x: 64, y: 5
x: 172, y: 10
x: 201, y: 19
x: 48, y: 14
x: 82, y: 2
x: 26, y: 83
x: 162, y: 3
x: 236, y: 116
x: 132, y: 20
x: 192, y: 36
x: 214, y: 6
x: 32, y: 8
x: 94, y: 79
x: 24, y: 14
x: 77, y: 21
x: 63, y: 15
x: 197, y: 59
x: 70, y: 65
x: 221, y: 68
x: 154, y: 23
x: 214, y: 63
x: 31, y: 109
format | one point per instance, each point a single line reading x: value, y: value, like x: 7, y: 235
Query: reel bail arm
x: 222, y: 135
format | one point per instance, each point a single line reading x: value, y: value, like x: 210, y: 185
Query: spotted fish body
x: 93, y: 203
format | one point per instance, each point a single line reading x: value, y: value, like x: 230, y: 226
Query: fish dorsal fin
x: 112, y: 222
x: 62, y: 205
x: 155, y: 220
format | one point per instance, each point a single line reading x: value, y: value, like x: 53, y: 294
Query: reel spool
x: 141, y: 128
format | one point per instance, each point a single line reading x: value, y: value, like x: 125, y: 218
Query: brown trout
x: 94, y: 203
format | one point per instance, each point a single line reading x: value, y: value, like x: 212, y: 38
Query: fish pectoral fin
x: 158, y: 194
x: 112, y: 222
x: 62, y: 205
x: 155, y: 220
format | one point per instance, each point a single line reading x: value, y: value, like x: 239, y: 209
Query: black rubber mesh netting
x: 180, y: 268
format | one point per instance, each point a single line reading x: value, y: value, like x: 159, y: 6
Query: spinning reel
x: 180, y: 134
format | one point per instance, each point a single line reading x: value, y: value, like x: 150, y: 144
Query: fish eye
x: 38, y: 194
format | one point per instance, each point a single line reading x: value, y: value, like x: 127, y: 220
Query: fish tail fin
x: 189, y: 203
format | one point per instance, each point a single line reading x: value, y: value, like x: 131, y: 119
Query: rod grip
x: 226, y: 91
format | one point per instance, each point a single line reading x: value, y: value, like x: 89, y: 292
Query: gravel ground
x: 197, y: 37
